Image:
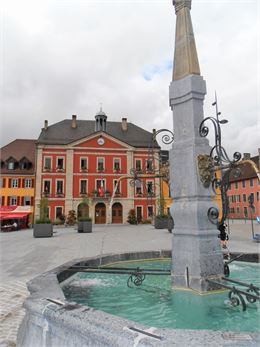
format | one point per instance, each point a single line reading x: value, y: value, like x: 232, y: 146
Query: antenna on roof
x: 101, y: 106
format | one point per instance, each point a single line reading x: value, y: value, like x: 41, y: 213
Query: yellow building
x: 165, y: 181
x: 17, y: 183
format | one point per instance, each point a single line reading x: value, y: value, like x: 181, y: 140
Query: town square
x: 138, y: 224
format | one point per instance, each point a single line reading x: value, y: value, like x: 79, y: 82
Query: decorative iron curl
x: 167, y: 139
x: 136, y: 278
x: 213, y: 214
x: 218, y: 153
x: 253, y: 290
x: 236, y: 299
x: 226, y: 270
x: 221, y: 161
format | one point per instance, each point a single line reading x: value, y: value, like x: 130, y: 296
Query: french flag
x: 101, y: 189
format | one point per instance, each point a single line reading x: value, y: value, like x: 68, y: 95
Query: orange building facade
x: 17, y: 182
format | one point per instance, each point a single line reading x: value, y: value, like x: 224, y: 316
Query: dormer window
x: 10, y: 165
x: 24, y: 163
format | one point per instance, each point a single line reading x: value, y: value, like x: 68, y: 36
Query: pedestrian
x: 223, y: 235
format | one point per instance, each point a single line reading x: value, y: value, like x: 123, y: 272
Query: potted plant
x: 85, y: 225
x: 161, y: 221
x: 84, y: 221
x: 43, y: 226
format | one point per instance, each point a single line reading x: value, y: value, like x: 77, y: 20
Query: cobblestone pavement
x: 12, y: 296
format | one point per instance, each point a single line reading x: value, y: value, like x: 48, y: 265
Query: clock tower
x: 101, y: 121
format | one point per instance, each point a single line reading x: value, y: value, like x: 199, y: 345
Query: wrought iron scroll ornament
x: 217, y: 160
x: 161, y: 172
x: 138, y: 176
x: 167, y: 138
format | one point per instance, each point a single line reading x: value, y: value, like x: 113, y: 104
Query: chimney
x: 45, y: 124
x: 74, y: 121
x: 246, y: 156
x: 124, y: 124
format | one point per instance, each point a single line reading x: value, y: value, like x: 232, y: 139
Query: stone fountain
x: 198, y: 261
x: 196, y: 251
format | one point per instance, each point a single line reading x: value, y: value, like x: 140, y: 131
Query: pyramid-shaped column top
x: 185, y: 54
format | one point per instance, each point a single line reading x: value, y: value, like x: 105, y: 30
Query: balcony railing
x: 60, y: 169
x: 105, y: 195
x: 83, y: 194
x: 59, y: 194
x: 47, y: 169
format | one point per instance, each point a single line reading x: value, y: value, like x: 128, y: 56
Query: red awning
x: 14, y: 215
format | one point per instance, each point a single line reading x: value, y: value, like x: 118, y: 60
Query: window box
x: 47, y: 169
x: 60, y: 195
x: 59, y: 169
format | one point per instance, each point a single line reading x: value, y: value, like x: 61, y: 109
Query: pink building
x: 240, y: 190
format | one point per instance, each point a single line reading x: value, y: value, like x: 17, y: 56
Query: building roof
x: 62, y: 133
x: 247, y: 171
x: 19, y: 150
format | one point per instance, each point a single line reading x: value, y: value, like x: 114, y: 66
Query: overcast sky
x: 66, y: 57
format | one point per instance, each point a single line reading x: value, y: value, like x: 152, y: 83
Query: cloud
x: 66, y: 57
x: 152, y: 70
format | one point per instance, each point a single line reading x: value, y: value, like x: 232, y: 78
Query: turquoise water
x: 154, y: 303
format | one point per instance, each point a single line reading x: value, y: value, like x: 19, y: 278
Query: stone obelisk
x: 196, y: 255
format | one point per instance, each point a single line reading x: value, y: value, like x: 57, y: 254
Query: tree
x: 44, y: 211
x: 131, y: 219
x: 71, y: 217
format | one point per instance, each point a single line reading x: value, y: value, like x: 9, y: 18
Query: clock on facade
x: 100, y: 141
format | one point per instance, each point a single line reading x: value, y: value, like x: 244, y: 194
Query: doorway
x: 117, y: 213
x: 100, y: 213
x: 139, y: 214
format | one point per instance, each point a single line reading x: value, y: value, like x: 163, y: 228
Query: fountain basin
x: 52, y: 321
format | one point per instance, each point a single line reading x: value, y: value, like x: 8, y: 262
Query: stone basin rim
x: 90, y: 327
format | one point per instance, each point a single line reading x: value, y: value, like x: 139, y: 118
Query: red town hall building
x: 241, y: 188
x: 79, y: 159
